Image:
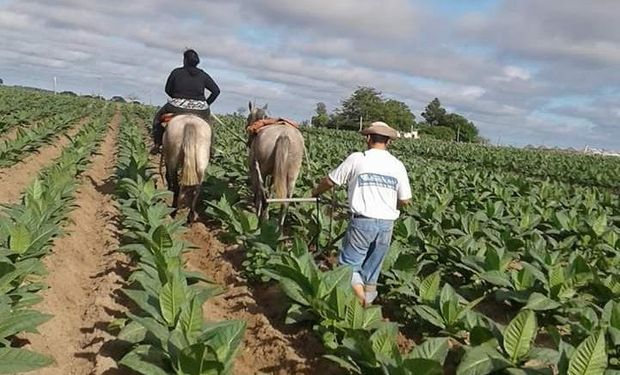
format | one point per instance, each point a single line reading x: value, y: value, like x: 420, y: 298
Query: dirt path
x: 13, y: 180
x: 10, y: 134
x: 270, y: 346
x: 85, y: 276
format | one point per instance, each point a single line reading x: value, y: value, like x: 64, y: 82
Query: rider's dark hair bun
x: 191, y: 58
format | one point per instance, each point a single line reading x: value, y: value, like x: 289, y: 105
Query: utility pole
x: 360, y: 123
x: 55, y: 85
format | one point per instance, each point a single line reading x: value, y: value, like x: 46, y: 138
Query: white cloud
x: 500, y: 68
x: 512, y: 73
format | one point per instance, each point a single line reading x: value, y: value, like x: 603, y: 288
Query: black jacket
x: 190, y: 83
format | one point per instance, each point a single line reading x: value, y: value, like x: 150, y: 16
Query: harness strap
x: 166, y: 117
x: 258, y: 125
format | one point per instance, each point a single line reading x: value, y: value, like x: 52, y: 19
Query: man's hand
x: 322, y: 187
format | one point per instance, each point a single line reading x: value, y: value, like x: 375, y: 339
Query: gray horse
x: 186, y: 146
x: 277, y: 152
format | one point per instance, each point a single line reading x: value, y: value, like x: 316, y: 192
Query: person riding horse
x: 185, y: 87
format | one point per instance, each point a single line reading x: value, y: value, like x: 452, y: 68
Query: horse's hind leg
x: 173, y: 185
x: 290, y: 189
x: 193, y: 215
x: 259, y: 198
x: 283, y: 213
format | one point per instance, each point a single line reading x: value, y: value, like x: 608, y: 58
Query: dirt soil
x: 270, y: 346
x: 85, y: 274
x: 10, y: 134
x: 13, y: 180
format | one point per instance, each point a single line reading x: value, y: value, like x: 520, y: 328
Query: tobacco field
x: 506, y: 262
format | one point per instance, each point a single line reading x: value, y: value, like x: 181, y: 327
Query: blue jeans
x: 365, y: 244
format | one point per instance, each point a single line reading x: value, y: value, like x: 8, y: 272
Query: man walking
x: 377, y: 185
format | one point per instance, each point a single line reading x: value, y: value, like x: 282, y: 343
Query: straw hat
x: 380, y: 128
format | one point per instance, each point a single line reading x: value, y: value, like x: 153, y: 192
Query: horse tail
x: 280, y: 169
x: 189, y: 173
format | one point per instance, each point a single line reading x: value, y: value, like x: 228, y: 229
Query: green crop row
x: 27, y: 230
x: 554, y: 165
x: 502, y: 251
x: 19, y: 107
x: 30, y: 140
x: 166, y: 333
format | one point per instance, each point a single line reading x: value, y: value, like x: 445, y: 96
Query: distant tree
x: 241, y: 111
x: 443, y: 133
x: 70, y: 93
x: 434, y: 113
x: 368, y: 104
x: 464, y: 129
x: 305, y: 123
x: 365, y: 103
x: 321, y: 119
x: 398, y: 115
x: 132, y: 98
x: 1, y: 81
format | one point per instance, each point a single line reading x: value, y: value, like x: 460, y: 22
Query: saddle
x: 259, y: 125
x: 165, y: 118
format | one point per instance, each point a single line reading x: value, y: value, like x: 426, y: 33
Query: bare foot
x: 360, y: 293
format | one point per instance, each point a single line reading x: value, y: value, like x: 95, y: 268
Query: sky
x: 539, y: 72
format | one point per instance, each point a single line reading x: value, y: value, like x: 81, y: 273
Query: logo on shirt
x: 378, y: 180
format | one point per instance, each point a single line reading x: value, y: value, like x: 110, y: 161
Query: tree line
x: 367, y: 104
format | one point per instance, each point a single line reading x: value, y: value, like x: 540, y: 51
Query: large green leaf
x: 519, y: 335
x: 161, y: 237
x: 429, y: 287
x: 133, y: 332
x: 599, y: 225
x: 20, y: 238
x: 199, y: 359
x: 225, y: 340
x: 421, y: 366
x: 190, y: 319
x: 146, y: 360
x: 433, y: 348
x: 13, y: 360
x: 18, y: 321
x: 330, y: 280
x: 157, y: 329
x: 449, y: 304
x: 383, y: 341
x: 346, y: 363
x: 171, y: 299
x: 481, y: 360
x: 540, y: 302
x: 499, y: 278
x: 356, y: 316
x: 590, y: 358
x: 430, y: 315
x: 145, y: 301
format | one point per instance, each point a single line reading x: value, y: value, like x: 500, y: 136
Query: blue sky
x: 527, y: 72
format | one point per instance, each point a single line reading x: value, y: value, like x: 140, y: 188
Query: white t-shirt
x: 376, y: 180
